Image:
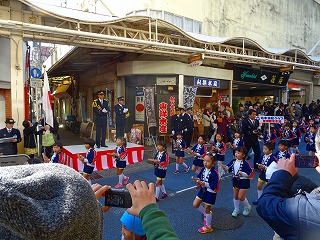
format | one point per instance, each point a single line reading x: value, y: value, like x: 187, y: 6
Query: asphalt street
x: 178, y: 206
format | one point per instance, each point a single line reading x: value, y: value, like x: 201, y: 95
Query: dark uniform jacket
x: 177, y: 123
x: 247, y: 131
x: 291, y: 217
x: 8, y: 148
x: 188, y: 122
x: 29, y: 136
x: 120, y: 115
x: 100, y: 118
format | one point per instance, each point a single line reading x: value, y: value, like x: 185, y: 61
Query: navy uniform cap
x: 100, y: 93
x: 9, y: 120
x: 120, y: 98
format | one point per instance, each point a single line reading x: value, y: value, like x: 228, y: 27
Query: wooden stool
x: 165, y: 137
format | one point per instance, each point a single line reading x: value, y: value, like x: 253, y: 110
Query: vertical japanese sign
x: 83, y: 108
x: 163, y: 117
x: 139, y: 109
x: 109, y: 99
x: 150, y: 107
x: 172, y: 105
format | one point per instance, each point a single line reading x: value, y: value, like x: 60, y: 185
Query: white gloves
x: 125, y: 110
x: 186, y: 130
x: 104, y: 110
x: 172, y: 132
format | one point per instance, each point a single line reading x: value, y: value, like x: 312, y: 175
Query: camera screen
x: 306, y: 161
x: 114, y: 200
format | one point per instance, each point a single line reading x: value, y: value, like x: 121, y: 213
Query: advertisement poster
x: 139, y: 107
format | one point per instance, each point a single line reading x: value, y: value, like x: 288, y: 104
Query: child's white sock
x: 236, y: 204
x: 201, y: 209
x: 246, y: 203
x: 177, y: 166
x: 124, y: 176
x: 157, y: 192
x: 120, y: 178
x: 162, y: 188
x: 208, y: 219
x: 259, y: 193
x: 185, y: 165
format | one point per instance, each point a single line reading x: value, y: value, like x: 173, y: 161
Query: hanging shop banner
x: 271, y: 119
x: 83, y: 107
x: 139, y: 109
x: 163, y: 117
x: 150, y: 107
x: 206, y: 82
x: 258, y: 76
x: 172, y: 107
x: 189, y: 95
x: 109, y: 99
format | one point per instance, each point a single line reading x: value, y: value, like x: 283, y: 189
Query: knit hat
x: 132, y: 223
x: 47, y: 201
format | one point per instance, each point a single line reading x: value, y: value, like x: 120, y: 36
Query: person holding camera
x: 69, y: 202
x: 251, y: 132
x: 291, y: 216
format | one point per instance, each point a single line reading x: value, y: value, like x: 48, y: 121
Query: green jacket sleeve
x: 156, y: 224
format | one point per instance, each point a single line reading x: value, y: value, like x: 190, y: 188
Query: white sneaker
x: 235, y: 213
x: 246, y: 211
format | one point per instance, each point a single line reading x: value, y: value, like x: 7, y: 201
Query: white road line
x: 186, y: 189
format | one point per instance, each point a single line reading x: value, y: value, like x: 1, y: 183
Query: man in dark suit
x: 189, y: 126
x: 250, y: 135
x: 100, y: 112
x: 177, y: 123
x: 10, y: 147
x: 122, y: 112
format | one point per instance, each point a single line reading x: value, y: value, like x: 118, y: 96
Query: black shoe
x: 98, y: 146
x: 104, y: 146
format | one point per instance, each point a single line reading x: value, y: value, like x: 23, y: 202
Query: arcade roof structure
x: 140, y: 34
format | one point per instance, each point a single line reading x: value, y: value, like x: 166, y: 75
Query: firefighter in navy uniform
x: 189, y: 126
x: 122, y: 113
x: 100, y: 113
x: 177, y: 124
x: 10, y: 147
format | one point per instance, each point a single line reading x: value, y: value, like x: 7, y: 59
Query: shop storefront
x: 300, y: 87
x: 162, y: 93
x: 252, y: 85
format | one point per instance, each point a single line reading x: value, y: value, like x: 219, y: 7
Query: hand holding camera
x: 142, y: 195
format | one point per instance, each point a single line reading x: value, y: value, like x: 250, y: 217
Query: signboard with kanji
x: 163, y: 117
x: 271, y: 119
x: 206, y: 82
x: 259, y: 76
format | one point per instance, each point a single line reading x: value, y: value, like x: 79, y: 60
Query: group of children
x: 204, y: 161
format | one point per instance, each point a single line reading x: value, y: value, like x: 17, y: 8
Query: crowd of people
x: 240, y: 132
